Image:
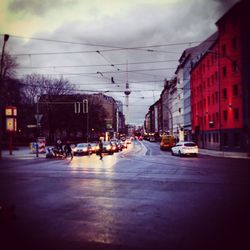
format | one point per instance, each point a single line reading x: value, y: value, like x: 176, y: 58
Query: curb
x: 224, y: 154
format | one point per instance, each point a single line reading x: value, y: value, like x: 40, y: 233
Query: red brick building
x: 220, y: 88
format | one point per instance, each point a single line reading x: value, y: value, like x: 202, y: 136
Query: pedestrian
x: 100, y: 149
x: 68, y: 150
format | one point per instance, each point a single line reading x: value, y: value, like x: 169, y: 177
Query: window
x: 216, y: 76
x: 225, y: 115
x: 224, y: 71
x: 216, y: 96
x: 234, y: 43
x: 208, y: 100
x: 223, y: 49
x: 236, y: 114
x: 234, y: 66
x: 235, y: 90
x: 224, y: 92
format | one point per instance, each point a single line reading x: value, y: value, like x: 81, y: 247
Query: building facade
x: 219, y: 98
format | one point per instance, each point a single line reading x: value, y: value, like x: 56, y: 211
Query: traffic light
x: 85, y: 106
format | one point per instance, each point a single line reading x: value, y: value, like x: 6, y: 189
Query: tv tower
x: 127, y: 92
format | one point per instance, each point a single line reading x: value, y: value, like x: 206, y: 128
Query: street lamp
x: 6, y: 37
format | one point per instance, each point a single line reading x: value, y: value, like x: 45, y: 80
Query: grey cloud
x: 37, y: 7
x: 143, y: 25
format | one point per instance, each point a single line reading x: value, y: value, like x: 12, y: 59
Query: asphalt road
x: 140, y: 198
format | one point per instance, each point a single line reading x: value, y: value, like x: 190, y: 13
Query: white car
x: 82, y: 149
x: 185, y: 148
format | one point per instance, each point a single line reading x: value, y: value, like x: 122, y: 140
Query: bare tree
x: 37, y: 85
x: 9, y: 66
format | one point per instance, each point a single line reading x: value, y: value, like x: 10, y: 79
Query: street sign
x: 31, y: 126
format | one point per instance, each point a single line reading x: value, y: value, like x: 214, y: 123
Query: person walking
x: 68, y: 150
x: 100, y: 148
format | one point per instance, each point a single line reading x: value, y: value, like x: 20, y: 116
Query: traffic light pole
x: 6, y: 37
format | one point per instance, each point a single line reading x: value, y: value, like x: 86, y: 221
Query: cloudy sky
x: 90, y: 41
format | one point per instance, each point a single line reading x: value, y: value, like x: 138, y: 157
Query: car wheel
x: 179, y: 153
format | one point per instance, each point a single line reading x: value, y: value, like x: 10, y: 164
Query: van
x: 167, y: 142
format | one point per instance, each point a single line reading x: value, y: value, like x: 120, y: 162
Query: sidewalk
x: 22, y: 153
x: 223, y: 154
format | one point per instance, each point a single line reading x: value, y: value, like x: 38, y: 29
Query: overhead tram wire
x: 111, y: 72
x: 104, y: 45
x: 95, y: 65
x: 112, y: 47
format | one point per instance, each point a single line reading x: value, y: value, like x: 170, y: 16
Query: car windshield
x: 106, y: 143
x: 81, y: 145
x: 190, y: 144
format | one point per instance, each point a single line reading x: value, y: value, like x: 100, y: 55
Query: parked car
x: 94, y: 147
x: 128, y: 141
x: 185, y: 148
x: 117, y: 144
x: 82, y: 149
x: 124, y: 144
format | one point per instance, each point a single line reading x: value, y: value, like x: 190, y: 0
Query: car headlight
x: 108, y: 147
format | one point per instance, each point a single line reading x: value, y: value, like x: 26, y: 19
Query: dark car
x: 117, y: 146
x: 107, y: 148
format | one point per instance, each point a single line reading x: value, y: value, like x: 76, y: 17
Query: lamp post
x: 6, y: 37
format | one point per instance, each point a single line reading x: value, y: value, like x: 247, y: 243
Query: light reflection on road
x: 93, y: 163
x: 104, y: 209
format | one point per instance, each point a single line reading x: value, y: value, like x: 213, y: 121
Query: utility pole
x: 6, y: 37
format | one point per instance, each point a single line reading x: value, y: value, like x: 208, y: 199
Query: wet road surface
x: 140, y: 198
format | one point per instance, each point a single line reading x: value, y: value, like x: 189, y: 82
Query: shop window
x: 225, y: 139
x: 236, y: 139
